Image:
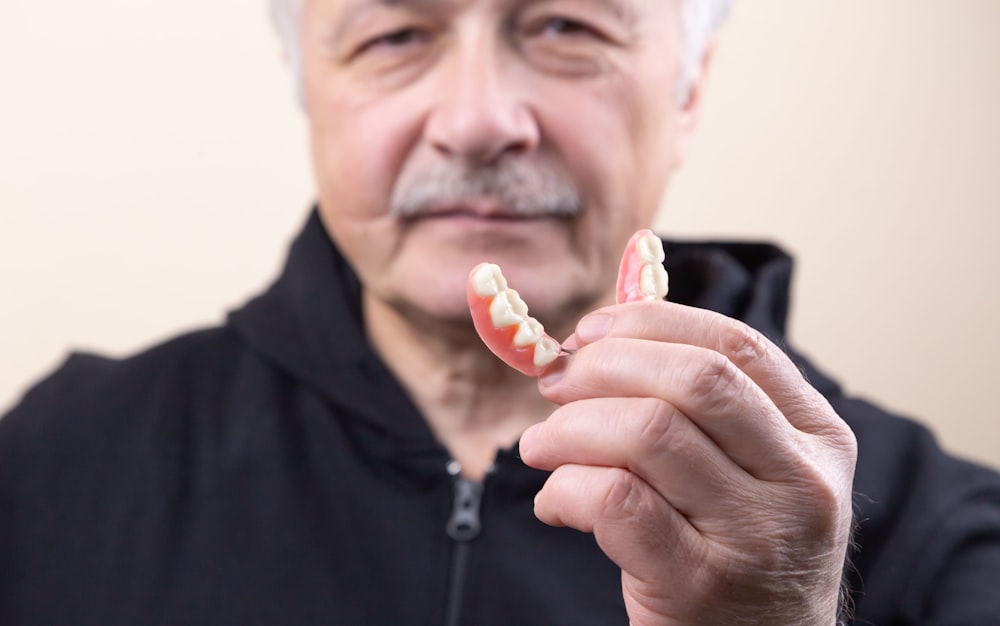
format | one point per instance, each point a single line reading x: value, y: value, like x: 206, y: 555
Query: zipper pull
x: 464, y: 524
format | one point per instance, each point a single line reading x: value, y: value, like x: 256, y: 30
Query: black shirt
x: 272, y: 471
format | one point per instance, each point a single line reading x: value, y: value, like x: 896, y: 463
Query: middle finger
x: 648, y: 437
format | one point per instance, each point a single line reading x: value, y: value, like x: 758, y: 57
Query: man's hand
x: 706, y: 466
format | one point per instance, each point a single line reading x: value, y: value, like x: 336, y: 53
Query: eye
x: 564, y: 27
x: 559, y: 28
x: 400, y: 38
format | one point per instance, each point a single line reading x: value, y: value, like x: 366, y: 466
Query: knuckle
x: 712, y: 380
x: 624, y: 497
x: 841, y: 437
x: 847, y: 442
x: 741, y: 343
x: 824, y: 519
x: 820, y: 505
x: 657, y: 425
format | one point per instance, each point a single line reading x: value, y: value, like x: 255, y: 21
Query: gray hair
x: 699, y: 21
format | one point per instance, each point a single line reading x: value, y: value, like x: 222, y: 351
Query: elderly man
x: 346, y: 450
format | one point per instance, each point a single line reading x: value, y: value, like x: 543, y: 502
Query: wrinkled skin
x: 705, y: 465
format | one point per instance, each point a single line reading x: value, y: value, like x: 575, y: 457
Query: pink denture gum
x: 501, y: 316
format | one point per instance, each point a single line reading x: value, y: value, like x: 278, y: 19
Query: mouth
x: 482, y: 210
x: 459, y: 215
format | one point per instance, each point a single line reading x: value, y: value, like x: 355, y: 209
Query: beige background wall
x: 153, y: 167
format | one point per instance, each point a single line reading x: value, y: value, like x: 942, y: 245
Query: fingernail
x: 572, y: 344
x: 525, y: 442
x: 593, y: 327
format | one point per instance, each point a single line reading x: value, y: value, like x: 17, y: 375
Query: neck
x: 473, y: 402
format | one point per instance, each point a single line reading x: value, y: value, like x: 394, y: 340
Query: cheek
x: 344, y: 158
x: 604, y: 137
x: 658, y: 115
x: 646, y: 127
x: 358, y: 147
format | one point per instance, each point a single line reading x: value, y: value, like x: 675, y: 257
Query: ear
x: 689, y: 105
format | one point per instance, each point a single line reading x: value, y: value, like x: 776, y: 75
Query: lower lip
x: 500, y: 239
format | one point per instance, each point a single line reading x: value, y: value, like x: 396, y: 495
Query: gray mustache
x: 523, y: 189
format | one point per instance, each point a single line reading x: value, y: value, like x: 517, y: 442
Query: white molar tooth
x: 502, y: 311
x: 546, y: 351
x: 488, y: 281
x: 650, y: 249
x: 516, y: 303
x: 529, y: 332
x: 653, y: 281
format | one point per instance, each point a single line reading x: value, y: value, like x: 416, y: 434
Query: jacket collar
x: 308, y: 323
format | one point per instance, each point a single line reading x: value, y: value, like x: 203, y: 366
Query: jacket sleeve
x: 928, y: 542
x: 39, y: 439
x: 965, y: 588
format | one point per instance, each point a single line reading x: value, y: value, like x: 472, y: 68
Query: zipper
x: 463, y: 526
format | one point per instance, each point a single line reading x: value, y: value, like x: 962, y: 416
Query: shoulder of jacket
x: 86, y: 385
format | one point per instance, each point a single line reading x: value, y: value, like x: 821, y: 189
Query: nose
x: 479, y: 116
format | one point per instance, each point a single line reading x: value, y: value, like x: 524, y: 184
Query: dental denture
x: 501, y: 316
x: 502, y: 321
x: 641, y: 275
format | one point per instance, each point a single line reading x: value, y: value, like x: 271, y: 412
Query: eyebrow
x: 624, y: 11
x: 357, y: 8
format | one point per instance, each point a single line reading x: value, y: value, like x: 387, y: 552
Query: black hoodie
x: 272, y: 471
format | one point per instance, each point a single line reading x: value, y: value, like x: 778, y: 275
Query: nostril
x: 482, y: 155
x: 481, y: 131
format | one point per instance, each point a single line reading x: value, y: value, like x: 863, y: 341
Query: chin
x: 440, y: 297
x: 431, y: 279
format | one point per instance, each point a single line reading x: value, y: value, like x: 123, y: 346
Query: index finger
x: 749, y: 350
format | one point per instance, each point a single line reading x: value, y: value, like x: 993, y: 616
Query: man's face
x: 535, y: 134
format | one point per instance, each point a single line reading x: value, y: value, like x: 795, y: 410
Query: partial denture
x: 501, y: 316
x: 501, y: 319
x: 641, y: 275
